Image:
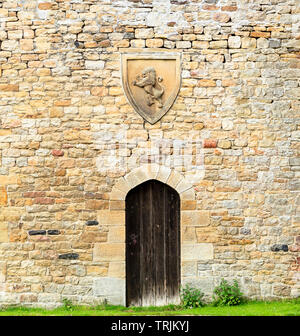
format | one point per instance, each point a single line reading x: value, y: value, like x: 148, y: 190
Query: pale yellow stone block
x: 248, y: 43
x: 74, y: 172
x: 2, y: 271
x: 26, y: 44
x: 195, y: 218
x: 3, y: 12
x: 144, y: 33
x: 188, y: 204
x: 267, y: 142
x: 108, y: 217
x: 117, y: 270
x: 140, y: 174
x: 188, y: 194
x: 133, y: 179
x: 225, y: 144
x: 188, y: 234
x: 137, y: 134
x: 122, y: 185
x: 183, y: 186
x: 116, y: 91
x: 207, y: 235
x: 10, y: 214
x: 138, y: 43
x: 151, y: 171
x: 174, y: 179
x: 4, y: 132
x: 3, y: 233
x: 201, y: 251
x: 42, y: 45
x: 163, y: 174
x: 200, y: 44
x: 109, y: 252
x: 154, y: 43
x: 117, y: 194
x: 117, y: 205
x: 8, y: 179
x: 96, y: 270
x: 116, y: 234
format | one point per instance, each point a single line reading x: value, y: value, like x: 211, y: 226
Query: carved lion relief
x: 148, y: 81
x: 151, y: 81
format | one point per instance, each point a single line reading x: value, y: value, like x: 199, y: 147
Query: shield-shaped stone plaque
x: 151, y: 81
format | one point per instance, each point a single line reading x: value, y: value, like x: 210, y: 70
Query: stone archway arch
x: 147, y: 172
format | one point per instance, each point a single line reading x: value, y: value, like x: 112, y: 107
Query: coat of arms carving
x: 151, y: 81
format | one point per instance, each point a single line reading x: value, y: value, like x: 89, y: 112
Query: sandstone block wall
x: 69, y: 140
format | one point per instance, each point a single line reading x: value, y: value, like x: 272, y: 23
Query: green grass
x: 253, y: 308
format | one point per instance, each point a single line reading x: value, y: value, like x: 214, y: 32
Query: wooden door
x: 152, y: 245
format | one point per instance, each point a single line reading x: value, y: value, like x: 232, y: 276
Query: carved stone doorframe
x: 113, y: 251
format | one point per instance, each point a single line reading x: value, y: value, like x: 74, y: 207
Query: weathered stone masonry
x: 62, y: 219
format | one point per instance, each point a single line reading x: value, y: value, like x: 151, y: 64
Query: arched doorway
x: 152, y: 244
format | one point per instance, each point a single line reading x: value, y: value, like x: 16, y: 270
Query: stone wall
x: 68, y: 137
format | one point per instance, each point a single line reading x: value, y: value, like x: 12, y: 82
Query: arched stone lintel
x: 152, y: 172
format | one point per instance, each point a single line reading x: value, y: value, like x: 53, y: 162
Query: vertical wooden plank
x: 159, y: 256
x: 172, y: 244
x: 146, y: 260
x: 168, y: 229
x: 177, y: 244
x: 176, y: 233
x: 133, y: 240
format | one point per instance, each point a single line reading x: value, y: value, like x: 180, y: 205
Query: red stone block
x: 210, y: 143
x: 295, y: 248
x: 33, y: 194
x: 104, y: 44
x: 44, y: 200
x: 210, y: 7
x: 229, y: 8
x: 57, y: 152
